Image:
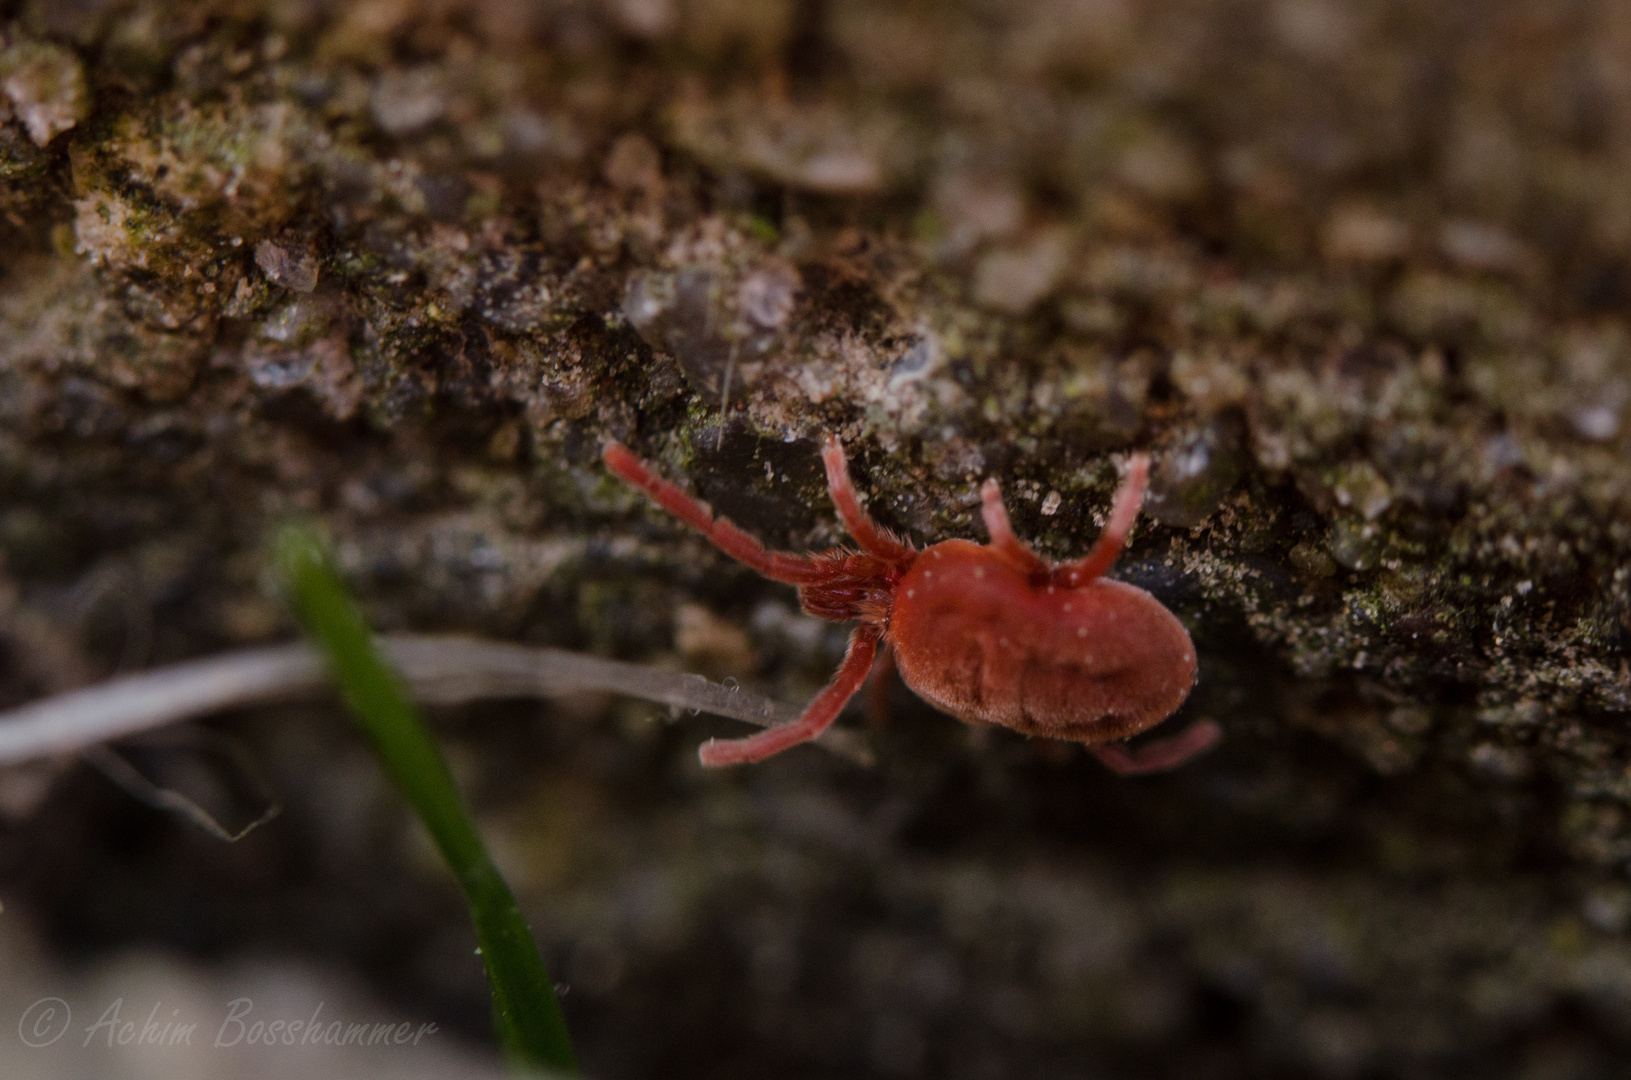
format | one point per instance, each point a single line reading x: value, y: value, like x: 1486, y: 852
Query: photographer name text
x: 49, y: 1020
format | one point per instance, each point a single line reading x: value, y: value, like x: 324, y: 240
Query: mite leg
x: 1123, y: 512
x: 878, y: 686
x: 863, y: 645
x: 1163, y: 754
x: 726, y: 536
x: 1003, y: 539
x: 874, y: 539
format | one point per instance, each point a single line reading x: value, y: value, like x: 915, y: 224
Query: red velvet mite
x: 992, y: 634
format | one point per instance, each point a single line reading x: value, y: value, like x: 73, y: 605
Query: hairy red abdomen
x: 989, y: 644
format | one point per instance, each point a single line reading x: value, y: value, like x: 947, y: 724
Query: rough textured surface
x: 1357, y: 274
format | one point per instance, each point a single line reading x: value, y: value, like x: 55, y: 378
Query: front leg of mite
x: 863, y: 647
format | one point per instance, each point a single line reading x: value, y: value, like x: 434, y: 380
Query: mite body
x: 982, y: 641
x: 992, y: 634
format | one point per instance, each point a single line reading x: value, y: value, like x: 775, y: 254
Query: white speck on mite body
x: 1081, y: 631
x: 979, y: 572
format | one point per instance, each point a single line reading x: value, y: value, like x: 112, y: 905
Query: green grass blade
x: 526, y: 1013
